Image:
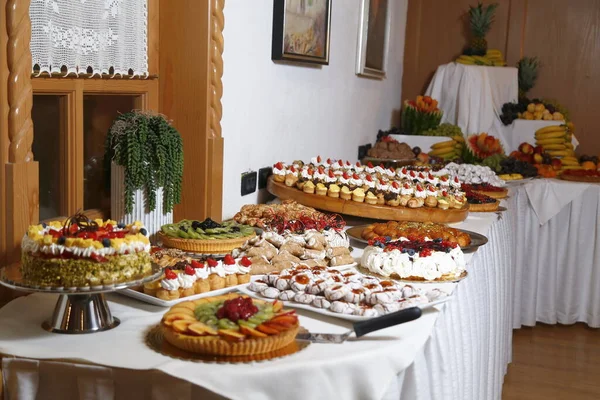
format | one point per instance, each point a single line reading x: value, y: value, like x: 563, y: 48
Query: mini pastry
x: 270, y: 292
x: 341, y: 260
x: 443, y: 201
x: 291, y: 178
x: 321, y: 302
x: 368, y: 184
x: 386, y: 308
x: 431, y: 197
x: 231, y: 271
x: 380, y: 297
x: 202, y: 285
x: 217, y: 274
x: 341, y: 307
x: 392, y: 197
x: 355, y: 182
x: 321, y: 189
x: 356, y: 295
x: 283, y: 282
x: 333, y: 191
x: 345, y: 193
x: 244, y: 268
x: 169, y: 286
x: 367, y: 311
x: 317, y: 287
x: 310, y: 254
x: 299, y: 282
x: 305, y: 176
x: 315, y: 240
x: 287, y: 295
x: 187, y: 279
x: 258, y: 285
x: 419, y: 199
x: 358, y: 195
x: 336, y: 292
x: 370, y: 198
x: 151, y: 288
x: 406, y: 193
x: 330, y: 178
x: 293, y: 248
x: 279, y: 172
x: 272, y: 277
x: 308, y: 187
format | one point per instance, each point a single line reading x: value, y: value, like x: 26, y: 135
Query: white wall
x: 280, y: 112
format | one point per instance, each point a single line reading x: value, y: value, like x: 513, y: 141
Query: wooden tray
x: 349, y: 207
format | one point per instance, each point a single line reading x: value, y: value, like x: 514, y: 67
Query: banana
x: 569, y: 145
x: 551, y: 128
x: 465, y: 57
x: 569, y: 158
x: 499, y: 63
x: 458, y: 138
x: 569, y: 162
x: 549, y: 147
x: 458, y: 147
x: 556, y: 140
x: 442, y: 145
x: 558, y: 153
x: 442, y: 151
x: 564, y: 167
x: 465, y: 62
x: 493, y: 51
x: 550, y: 135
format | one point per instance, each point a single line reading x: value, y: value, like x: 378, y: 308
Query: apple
x: 526, y: 148
x: 556, y: 164
x: 537, y: 158
x: 528, y: 158
x: 515, y: 154
x: 538, y: 150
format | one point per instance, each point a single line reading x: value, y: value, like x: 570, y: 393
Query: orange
x: 588, y: 165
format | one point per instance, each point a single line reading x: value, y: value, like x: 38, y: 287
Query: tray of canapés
x: 370, y: 191
x: 395, y: 230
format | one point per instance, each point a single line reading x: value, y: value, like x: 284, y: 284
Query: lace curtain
x: 98, y: 36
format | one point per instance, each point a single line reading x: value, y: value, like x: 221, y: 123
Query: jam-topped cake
x: 429, y: 260
x: 486, y: 189
x: 82, y: 252
x: 230, y: 325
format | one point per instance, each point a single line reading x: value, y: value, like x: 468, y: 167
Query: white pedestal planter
x: 151, y: 220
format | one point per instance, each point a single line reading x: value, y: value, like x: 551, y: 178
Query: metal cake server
x: 363, y: 327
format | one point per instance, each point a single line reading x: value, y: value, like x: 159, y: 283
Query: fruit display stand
x: 383, y: 212
x: 523, y: 130
x: 472, y: 96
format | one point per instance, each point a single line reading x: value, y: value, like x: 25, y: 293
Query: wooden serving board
x: 349, y: 207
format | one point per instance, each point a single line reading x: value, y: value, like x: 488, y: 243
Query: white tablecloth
x: 472, y: 96
x: 461, y: 355
x: 557, y: 275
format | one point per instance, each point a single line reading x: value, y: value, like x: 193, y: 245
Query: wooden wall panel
x: 436, y: 33
x: 566, y: 38
x: 564, y: 35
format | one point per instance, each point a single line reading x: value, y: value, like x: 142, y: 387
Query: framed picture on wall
x: 301, y: 30
x: 373, y: 38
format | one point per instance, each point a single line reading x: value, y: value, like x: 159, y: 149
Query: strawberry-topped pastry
x: 279, y: 172
x: 316, y: 161
x: 80, y: 252
x: 419, y: 197
x: 230, y: 325
x: 370, y: 169
x: 392, y: 196
x: 291, y: 177
x: 358, y: 168
x: 369, y: 184
x: 338, y: 167
x: 416, y: 259
x: 355, y: 181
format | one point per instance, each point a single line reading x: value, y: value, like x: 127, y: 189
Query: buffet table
x: 460, y: 350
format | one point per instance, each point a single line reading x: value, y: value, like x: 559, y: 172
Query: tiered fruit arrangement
x: 449, y: 149
x: 530, y: 110
x: 492, y: 58
x: 480, y: 20
x: 479, y: 147
x: 519, y: 164
x: 420, y: 115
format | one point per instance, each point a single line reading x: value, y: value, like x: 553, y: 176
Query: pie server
x: 363, y: 327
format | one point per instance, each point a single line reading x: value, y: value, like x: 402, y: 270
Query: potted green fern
x: 144, y: 162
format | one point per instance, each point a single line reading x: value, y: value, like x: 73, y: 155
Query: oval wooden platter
x: 349, y: 207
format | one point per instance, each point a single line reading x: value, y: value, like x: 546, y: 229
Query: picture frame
x: 301, y: 31
x: 373, y: 38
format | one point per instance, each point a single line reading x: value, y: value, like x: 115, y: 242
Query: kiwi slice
x: 246, y: 324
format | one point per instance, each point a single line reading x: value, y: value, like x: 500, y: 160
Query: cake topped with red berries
x: 82, y: 252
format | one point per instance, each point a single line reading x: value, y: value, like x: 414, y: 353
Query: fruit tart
x: 207, y: 236
x: 481, y: 203
x: 486, y: 189
x: 230, y: 325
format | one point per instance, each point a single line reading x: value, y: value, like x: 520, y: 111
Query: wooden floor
x: 554, y: 362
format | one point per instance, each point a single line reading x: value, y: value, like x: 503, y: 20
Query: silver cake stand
x: 78, y: 309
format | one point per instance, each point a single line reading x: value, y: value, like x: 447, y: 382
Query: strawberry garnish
x: 340, y: 163
x: 406, y: 185
x: 381, y: 182
x: 318, y: 159
x: 73, y: 229
x: 392, y: 169
x: 292, y: 169
x: 245, y: 261
x: 456, y: 179
x: 395, y: 185
x: 331, y: 174
x: 211, y: 262
x: 430, y: 177
x: 357, y: 164
x: 321, y: 170
x: 279, y: 165
x: 381, y: 166
x: 413, y: 174
x: 345, y: 175
x: 421, y: 175
x: 228, y: 260
x: 368, y: 177
x: 196, y: 264
x: 310, y: 171
x: 355, y: 176
x: 404, y: 171
x: 347, y: 163
x: 169, y: 274
x: 419, y: 187
x: 370, y: 164
x: 444, y: 193
x: 444, y: 179
x: 189, y: 270
x: 329, y: 161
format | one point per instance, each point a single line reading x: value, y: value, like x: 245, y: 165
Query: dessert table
x: 458, y: 350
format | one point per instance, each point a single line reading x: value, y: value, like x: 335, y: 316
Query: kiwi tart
x: 205, y: 236
x: 229, y: 325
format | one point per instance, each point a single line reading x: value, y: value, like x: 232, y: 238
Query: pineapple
x: 480, y: 19
x: 528, y: 73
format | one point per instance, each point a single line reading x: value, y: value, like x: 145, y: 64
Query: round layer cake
x: 230, y: 325
x: 80, y: 252
x: 429, y: 260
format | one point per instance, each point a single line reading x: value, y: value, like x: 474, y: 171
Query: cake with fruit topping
x: 428, y: 260
x: 79, y: 252
x: 230, y: 325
